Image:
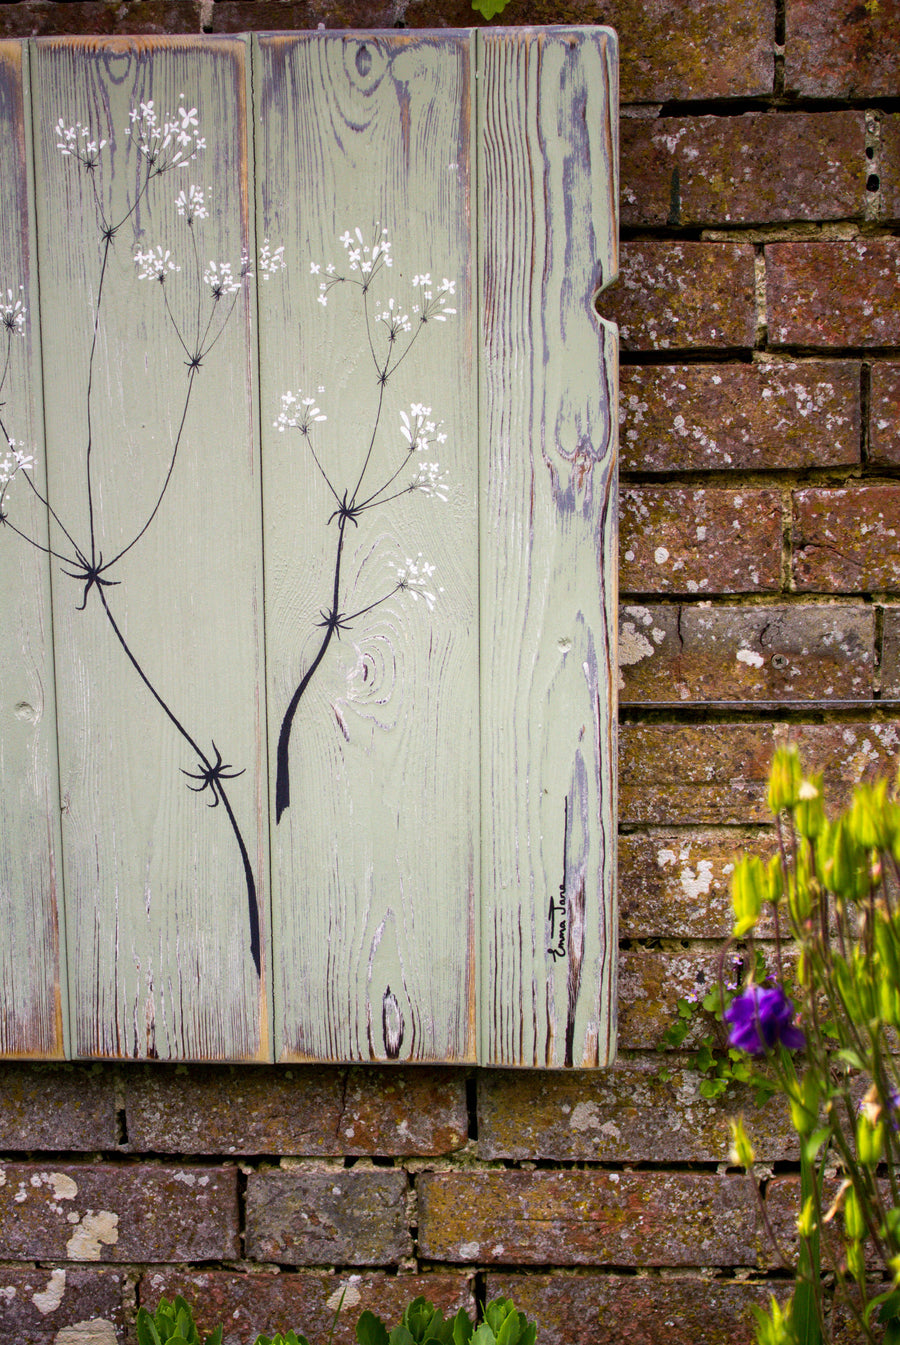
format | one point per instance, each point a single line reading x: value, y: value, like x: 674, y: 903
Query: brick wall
x: 759, y: 306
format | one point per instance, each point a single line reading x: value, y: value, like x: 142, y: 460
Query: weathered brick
x: 834, y: 294
x: 716, y: 774
x: 765, y: 415
x: 573, y: 1218
x: 57, y: 1107
x: 636, y: 1309
x: 677, y: 884
x: 305, y: 1302
x: 750, y: 169
x: 650, y: 986
x: 621, y: 1115
x: 846, y: 541
x: 674, y: 539
x: 682, y: 296
x: 689, y: 653
x: 35, y: 1305
x: 304, y: 1110
x: 43, y: 18
x: 740, y: 64
x: 890, y: 652
x: 239, y: 16
x: 884, y: 414
x: 889, y: 167
x: 326, y: 1216
x: 841, y: 48
x: 97, y: 1212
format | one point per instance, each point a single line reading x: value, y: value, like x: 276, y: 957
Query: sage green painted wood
x: 375, y: 859
x: 156, y: 901
x: 32, y: 936
x: 547, y: 195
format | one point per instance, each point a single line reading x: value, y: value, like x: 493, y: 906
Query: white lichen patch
x: 346, y: 1295
x: 49, y: 1299
x: 93, y: 1233
x: 633, y: 645
x: 584, y: 1117
x: 750, y: 657
x: 697, y: 884
x: 469, y: 1248
x: 192, y: 1178
x: 7, y: 1293
x: 97, y: 1332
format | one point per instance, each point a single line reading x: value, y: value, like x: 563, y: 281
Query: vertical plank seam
x: 58, y: 862
x: 476, y: 47
x: 267, y: 986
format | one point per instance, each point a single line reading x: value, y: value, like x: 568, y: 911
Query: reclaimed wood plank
x: 32, y: 935
x: 373, y: 719
x: 153, y: 476
x: 547, y: 237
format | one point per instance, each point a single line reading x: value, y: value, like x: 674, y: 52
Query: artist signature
x: 556, y: 912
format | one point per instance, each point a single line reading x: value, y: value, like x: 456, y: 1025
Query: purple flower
x: 762, y: 1017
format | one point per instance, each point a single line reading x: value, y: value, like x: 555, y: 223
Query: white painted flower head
x: 166, y: 142
x: 77, y: 142
x: 419, y: 430
x: 190, y: 204
x: 298, y: 411
x: 434, y: 306
x: 154, y: 264
x: 220, y: 280
x: 14, y: 461
x: 394, y: 319
x: 430, y: 480
x: 12, y: 312
x: 270, y: 259
x: 415, y: 578
x: 367, y: 257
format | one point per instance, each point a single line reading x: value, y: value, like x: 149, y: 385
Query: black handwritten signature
x: 557, y: 906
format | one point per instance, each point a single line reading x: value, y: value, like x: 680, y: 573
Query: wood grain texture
x: 32, y: 936
x: 159, y: 674
x: 408, y: 427
x: 375, y: 854
x: 547, y: 235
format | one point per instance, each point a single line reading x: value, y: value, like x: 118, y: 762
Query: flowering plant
x: 834, y: 886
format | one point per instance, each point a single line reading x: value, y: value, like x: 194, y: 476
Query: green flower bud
x: 748, y: 886
x: 784, y: 779
x: 741, y: 1150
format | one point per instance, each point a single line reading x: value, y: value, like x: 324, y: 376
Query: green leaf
x: 713, y: 1088
x: 147, y: 1333
x: 371, y: 1330
x: 489, y: 7
x: 814, y: 1144
x: 462, y: 1328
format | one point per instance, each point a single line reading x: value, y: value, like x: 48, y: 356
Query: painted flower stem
x: 212, y: 774
x: 282, y: 756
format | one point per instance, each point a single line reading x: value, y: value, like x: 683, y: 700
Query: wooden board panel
x: 547, y: 195
x: 373, y: 723
x: 32, y: 943
x: 153, y: 476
